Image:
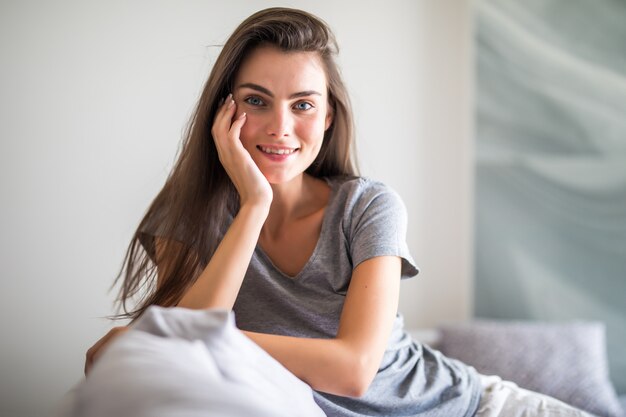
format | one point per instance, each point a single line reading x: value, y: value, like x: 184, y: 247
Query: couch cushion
x: 564, y: 360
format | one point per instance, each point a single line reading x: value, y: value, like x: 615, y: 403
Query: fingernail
x: 231, y: 103
x: 242, y: 115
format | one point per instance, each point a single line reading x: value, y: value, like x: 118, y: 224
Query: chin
x: 273, y: 180
x: 277, y: 179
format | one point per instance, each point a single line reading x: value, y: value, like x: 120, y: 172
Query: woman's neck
x: 301, y: 197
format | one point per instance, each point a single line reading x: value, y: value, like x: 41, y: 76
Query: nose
x: 280, y: 122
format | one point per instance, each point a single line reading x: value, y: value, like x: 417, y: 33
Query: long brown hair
x: 198, y: 199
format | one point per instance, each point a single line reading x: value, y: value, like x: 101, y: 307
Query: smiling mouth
x: 276, y: 151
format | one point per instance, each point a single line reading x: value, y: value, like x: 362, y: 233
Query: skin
x: 280, y: 101
x: 285, y: 98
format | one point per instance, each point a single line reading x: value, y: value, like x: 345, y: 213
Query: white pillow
x: 186, y: 363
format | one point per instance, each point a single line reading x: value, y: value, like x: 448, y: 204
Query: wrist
x: 258, y: 209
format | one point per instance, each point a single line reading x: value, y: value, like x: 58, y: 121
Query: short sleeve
x: 153, y: 225
x: 378, y: 227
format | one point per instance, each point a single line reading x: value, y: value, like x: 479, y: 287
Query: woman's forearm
x: 219, y: 283
x: 329, y: 365
x: 347, y: 364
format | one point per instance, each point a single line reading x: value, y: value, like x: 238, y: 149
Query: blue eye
x: 254, y: 101
x: 304, y: 106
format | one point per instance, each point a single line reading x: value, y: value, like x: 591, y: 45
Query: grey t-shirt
x: 363, y: 219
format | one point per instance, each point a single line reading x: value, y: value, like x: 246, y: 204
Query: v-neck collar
x: 323, y: 231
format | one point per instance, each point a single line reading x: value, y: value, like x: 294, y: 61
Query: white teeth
x: 277, y: 151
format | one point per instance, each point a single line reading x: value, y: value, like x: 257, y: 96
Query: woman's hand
x: 252, y: 186
x: 96, y: 350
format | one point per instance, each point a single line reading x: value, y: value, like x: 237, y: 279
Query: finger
x: 89, y: 356
x: 94, y: 351
x: 223, y: 119
x: 221, y: 107
x: 88, y: 365
x: 235, y: 129
x: 103, y: 340
x: 225, y: 110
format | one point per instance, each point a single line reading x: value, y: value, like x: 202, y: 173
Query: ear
x: 330, y: 114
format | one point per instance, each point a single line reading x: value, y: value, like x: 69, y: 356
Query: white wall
x: 94, y: 97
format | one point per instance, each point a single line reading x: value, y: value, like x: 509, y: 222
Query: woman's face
x: 284, y: 95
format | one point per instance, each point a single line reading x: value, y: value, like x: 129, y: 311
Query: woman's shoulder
x: 355, y: 198
x: 355, y: 189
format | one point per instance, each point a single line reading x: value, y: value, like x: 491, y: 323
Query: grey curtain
x: 551, y: 164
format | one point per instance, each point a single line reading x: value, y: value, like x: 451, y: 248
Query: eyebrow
x: 267, y: 92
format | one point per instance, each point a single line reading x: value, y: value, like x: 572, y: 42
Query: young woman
x: 263, y: 214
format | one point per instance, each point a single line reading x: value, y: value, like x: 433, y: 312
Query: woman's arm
x: 219, y: 283
x: 347, y: 364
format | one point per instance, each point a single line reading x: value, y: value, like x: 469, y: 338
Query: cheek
x: 312, y: 129
x: 249, y: 130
